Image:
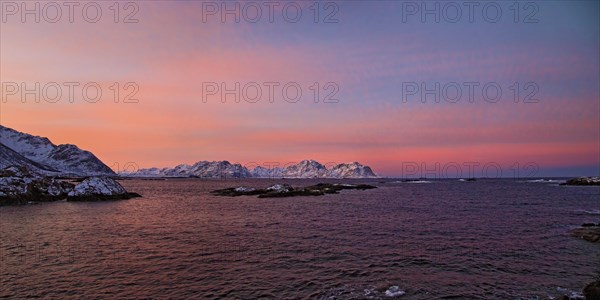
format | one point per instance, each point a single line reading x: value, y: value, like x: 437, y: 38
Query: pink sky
x: 170, y: 52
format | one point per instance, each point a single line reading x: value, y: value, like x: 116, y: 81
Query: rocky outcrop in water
x: 588, y: 231
x: 99, y: 189
x: 585, y: 181
x: 21, y: 186
x: 285, y: 190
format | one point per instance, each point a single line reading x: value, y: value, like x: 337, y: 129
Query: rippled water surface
x: 490, y: 239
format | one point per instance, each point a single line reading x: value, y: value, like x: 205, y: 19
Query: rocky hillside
x: 39, y: 154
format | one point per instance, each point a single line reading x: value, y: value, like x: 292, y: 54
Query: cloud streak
x: 170, y: 53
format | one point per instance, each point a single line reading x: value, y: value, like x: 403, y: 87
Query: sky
x: 517, y: 85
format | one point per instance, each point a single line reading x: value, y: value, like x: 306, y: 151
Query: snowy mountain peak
x: 203, y: 169
x: 33, y: 147
x: 351, y: 170
x: 225, y: 169
x: 42, y: 156
x: 305, y: 169
x: 263, y: 172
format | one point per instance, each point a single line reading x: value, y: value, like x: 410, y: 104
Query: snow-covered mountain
x: 203, y: 169
x: 305, y: 169
x: 8, y: 157
x: 40, y: 155
x: 224, y: 169
x: 263, y: 172
x: 219, y: 169
x: 351, y: 170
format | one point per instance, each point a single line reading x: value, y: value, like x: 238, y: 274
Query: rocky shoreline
x: 20, y: 186
x: 285, y: 190
x: 99, y: 189
x: 588, y: 231
x: 591, y: 233
x: 583, y: 181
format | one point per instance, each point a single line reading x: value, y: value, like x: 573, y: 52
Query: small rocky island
x: 18, y: 185
x: 583, y: 181
x: 285, y: 190
x: 588, y: 231
x: 99, y: 189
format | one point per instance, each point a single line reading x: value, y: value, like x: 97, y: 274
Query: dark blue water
x: 490, y: 239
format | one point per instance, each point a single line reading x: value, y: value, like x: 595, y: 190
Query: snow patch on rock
x: 103, y: 186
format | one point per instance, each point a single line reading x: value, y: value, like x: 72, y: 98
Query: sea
x: 427, y: 239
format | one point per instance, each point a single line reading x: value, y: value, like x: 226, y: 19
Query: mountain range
x: 225, y: 169
x: 40, y: 156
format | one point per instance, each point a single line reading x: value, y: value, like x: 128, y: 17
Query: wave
x: 589, y: 212
x: 349, y: 292
x: 412, y: 181
x: 394, y: 291
x: 544, y: 181
x: 570, y: 293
